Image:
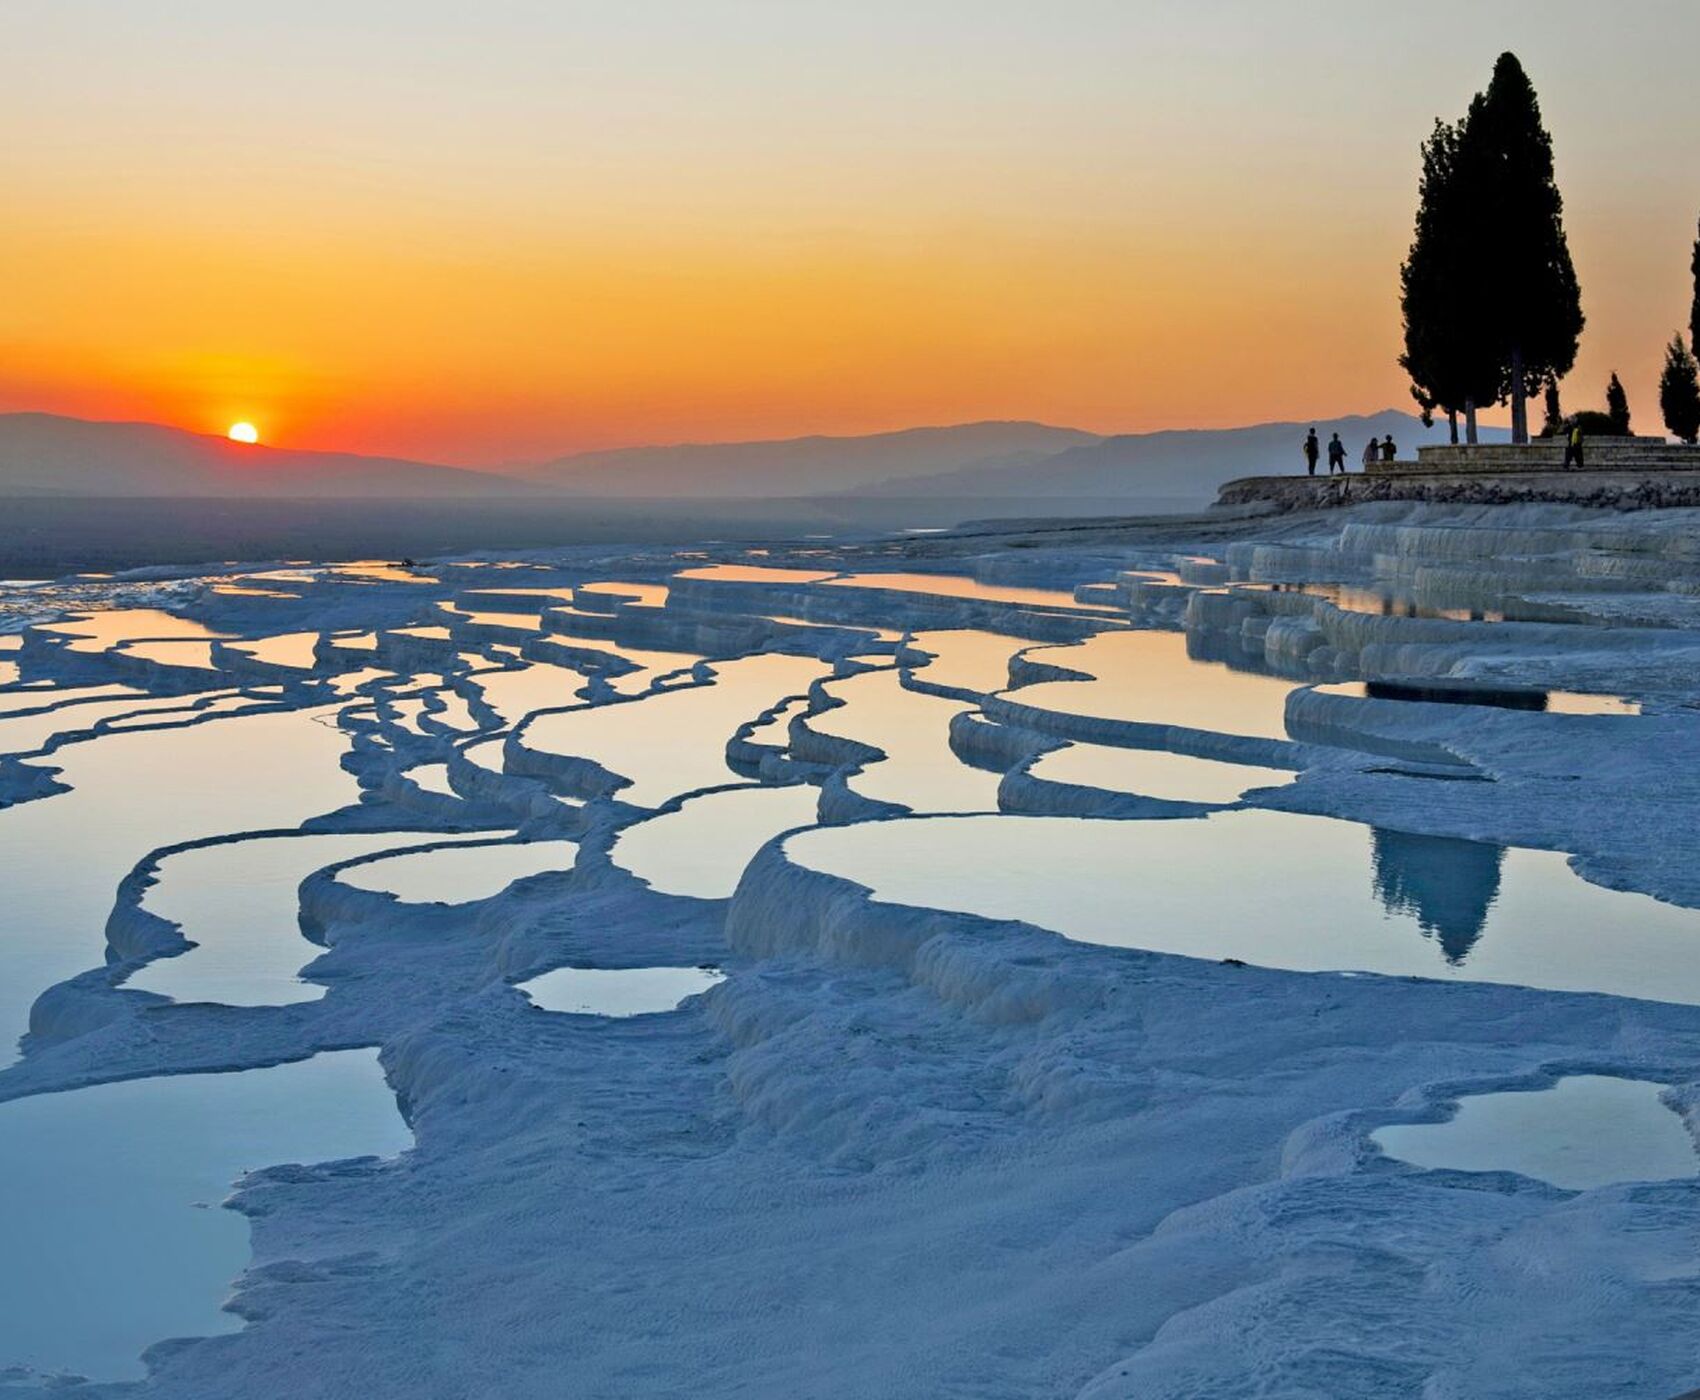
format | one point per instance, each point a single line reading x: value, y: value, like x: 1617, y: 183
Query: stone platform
x: 1606, y: 488
x: 1631, y: 454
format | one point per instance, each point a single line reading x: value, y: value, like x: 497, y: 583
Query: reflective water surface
x: 1174, y: 777
x: 702, y: 848
x: 237, y: 902
x: 1149, y: 677
x: 109, y: 1200
x: 624, y: 991
x: 61, y: 858
x: 1350, y: 898
x: 675, y: 742
x: 1586, y: 1130
x: 918, y: 770
x: 459, y: 874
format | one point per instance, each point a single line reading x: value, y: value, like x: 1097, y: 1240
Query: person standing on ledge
x: 1372, y: 450
x: 1311, y: 451
x: 1573, y: 447
x: 1336, y: 455
x: 1388, y: 450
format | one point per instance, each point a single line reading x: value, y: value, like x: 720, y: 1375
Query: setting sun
x: 244, y: 432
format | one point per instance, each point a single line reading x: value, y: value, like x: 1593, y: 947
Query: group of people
x: 1384, y: 450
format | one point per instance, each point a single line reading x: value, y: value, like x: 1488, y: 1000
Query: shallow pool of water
x: 702, y: 848
x: 292, y: 649
x: 1149, y: 677
x: 431, y: 777
x: 1502, y: 697
x: 106, y: 628
x: 966, y: 659
x: 755, y: 573
x: 1174, y: 777
x: 61, y: 857
x: 539, y: 686
x: 961, y: 586
x: 109, y: 1200
x: 626, y: 991
x: 913, y: 729
x: 459, y: 874
x: 674, y: 741
x: 1586, y: 1130
x: 238, y: 902
x: 1350, y: 897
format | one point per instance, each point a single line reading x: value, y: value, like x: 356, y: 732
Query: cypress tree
x: 1694, y: 307
x: 1617, y: 406
x: 1679, y: 392
x: 1516, y: 270
x: 1554, y: 423
x: 1443, y: 350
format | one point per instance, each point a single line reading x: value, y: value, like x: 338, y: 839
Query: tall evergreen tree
x: 1679, y: 392
x: 1519, y: 274
x: 1554, y: 423
x: 1444, y: 354
x: 1617, y: 406
x: 1694, y: 306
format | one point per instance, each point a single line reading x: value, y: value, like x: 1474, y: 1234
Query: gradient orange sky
x: 493, y: 232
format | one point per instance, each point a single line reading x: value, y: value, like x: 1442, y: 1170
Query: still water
x: 109, y: 1199
x: 62, y: 857
x: 238, y: 903
x: 1350, y: 897
x: 1586, y: 1130
x: 623, y: 991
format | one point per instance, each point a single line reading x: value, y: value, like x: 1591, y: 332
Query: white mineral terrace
x: 1113, y: 962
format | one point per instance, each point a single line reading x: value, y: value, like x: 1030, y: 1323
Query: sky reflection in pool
x: 535, y: 686
x: 109, y: 626
x: 913, y: 729
x: 106, y: 1251
x: 1586, y: 1130
x: 961, y: 586
x: 1148, y: 677
x: 1350, y: 897
x: 674, y: 741
x: 966, y: 658
x: 702, y: 848
x: 624, y: 991
x: 1175, y: 777
x: 459, y: 874
x: 1445, y: 692
x: 238, y: 903
x: 62, y: 857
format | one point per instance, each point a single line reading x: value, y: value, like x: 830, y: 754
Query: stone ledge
x: 1603, y: 490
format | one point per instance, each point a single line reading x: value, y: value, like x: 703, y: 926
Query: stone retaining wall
x: 1610, y: 489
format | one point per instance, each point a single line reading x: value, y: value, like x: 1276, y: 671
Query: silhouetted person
x: 1573, y: 447
x: 1312, y: 451
x: 1372, y: 450
x: 1388, y: 450
x: 1336, y: 455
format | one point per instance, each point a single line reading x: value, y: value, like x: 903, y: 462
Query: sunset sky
x: 487, y: 232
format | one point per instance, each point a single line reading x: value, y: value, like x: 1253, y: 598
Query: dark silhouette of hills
x: 1184, y: 466
x: 43, y: 454
x: 805, y: 466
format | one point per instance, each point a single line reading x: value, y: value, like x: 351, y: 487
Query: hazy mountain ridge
x: 805, y: 466
x: 45, y: 454
x: 968, y: 467
x: 1175, y: 464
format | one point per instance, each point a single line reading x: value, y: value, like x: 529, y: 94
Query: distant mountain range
x: 970, y: 467
x: 1177, y: 465
x: 42, y: 454
x: 806, y: 466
